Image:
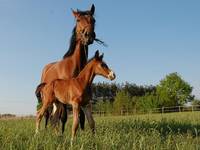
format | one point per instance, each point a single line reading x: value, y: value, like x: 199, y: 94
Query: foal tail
x: 38, y: 94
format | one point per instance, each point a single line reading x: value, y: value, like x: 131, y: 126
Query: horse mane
x: 72, y: 44
x: 73, y: 37
x: 72, y: 49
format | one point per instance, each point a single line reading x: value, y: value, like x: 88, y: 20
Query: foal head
x: 85, y: 24
x: 101, y: 68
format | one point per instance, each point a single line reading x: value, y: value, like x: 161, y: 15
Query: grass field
x: 153, y: 131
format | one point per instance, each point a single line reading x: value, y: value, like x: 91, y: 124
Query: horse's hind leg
x: 47, y: 115
x: 55, y: 114
x: 64, y: 117
x: 82, y: 119
x: 39, y: 116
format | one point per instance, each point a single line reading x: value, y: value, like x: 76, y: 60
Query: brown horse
x: 72, y: 91
x: 73, y: 61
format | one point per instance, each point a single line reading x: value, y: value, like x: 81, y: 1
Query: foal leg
x: 76, y: 109
x: 39, y: 116
x: 88, y: 113
x: 55, y: 116
x: 47, y: 115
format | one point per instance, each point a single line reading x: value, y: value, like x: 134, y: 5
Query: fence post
x: 192, y: 108
x: 163, y: 109
x: 179, y: 108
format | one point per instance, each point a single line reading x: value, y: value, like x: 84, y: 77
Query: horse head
x: 85, y: 25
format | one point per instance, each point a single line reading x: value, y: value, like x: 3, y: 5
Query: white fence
x: 155, y: 110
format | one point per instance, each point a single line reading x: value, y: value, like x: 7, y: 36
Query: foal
x: 73, y: 91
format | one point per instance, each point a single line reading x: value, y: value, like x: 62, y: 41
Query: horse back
x: 63, y: 69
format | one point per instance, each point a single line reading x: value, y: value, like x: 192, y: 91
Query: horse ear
x: 75, y: 13
x: 92, y: 10
x: 97, y: 54
x: 101, y: 57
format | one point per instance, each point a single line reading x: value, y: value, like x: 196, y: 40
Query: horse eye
x: 78, y: 20
x: 104, y: 65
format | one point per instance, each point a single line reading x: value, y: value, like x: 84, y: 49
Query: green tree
x: 105, y: 106
x: 196, y: 102
x: 122, y: 102
x: 147, y: 102
x: 173, y: 90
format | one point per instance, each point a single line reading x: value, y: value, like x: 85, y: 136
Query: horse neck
x: 86, y: 76
x: 80, y: 56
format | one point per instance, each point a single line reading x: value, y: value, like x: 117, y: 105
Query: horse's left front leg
x: 76, y: 109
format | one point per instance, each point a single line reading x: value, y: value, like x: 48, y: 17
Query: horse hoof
x: 71, y: 143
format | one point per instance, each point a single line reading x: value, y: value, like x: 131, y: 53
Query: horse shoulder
x: 76, y: 89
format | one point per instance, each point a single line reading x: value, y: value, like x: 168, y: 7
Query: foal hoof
x: 36, y: 134
x: 71, y: 142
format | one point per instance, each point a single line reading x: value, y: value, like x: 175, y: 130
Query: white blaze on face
x: 54, y: 108
x: 111, y: 75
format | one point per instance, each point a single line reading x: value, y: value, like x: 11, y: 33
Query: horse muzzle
x: 111, y: 75
x: 90, y: 38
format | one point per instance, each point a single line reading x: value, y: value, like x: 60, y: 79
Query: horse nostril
x: 111, y: 75
x: 83, y: 30
x: 86, y: 34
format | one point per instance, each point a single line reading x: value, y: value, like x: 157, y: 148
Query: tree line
x: 173, y: 90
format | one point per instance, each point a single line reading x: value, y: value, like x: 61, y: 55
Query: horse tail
x: 38, y: 94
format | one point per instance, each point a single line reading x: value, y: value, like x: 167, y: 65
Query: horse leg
x: 47, y: 115
x: 55, y: 115
x: 64, y: 117
x: 88, y: 113
x: 82, y: 119
x: 76, y: 109
x: 39, y: 116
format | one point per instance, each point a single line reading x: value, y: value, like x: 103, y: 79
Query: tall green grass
x: 153, y: 131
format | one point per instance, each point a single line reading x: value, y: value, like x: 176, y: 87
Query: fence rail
x: 155, y: 110
x: 124, y: 112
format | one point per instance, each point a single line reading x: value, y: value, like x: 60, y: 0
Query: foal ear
x: 75, y: 13
x: 101, y: 57
x: 92, y: 10
x: 96, y: 54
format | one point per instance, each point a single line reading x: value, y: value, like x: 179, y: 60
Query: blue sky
x: 146, y: 41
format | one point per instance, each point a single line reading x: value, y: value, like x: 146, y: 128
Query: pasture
x: 151, y: 131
